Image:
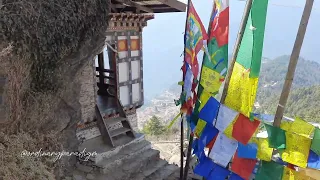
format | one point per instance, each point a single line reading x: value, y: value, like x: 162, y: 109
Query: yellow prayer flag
x: 204, y: 97
x: 290, y: 174
x: 297, y: 149
x: 286, y: 125
x: 301, y: 127
x: 264, y: 152
x: 210, y: 80
x: 242, y: 90
x: 229, y: 129
x: 199, y: 127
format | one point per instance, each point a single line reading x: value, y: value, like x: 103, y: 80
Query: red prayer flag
x: 220, y: 28
x: 243, y: 129
x: 211, y: 143
x: 242, y: 166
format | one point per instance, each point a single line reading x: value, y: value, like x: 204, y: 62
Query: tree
x: 154, y: 127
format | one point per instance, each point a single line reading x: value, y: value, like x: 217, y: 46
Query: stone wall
x: 133, y: 119
x: 88, y: 91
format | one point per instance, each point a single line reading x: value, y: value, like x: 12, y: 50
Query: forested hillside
x: 304, y: 99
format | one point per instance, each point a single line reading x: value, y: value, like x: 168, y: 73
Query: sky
x: 163, y: 38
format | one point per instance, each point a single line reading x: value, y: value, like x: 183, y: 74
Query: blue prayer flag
x: 208, y: 133
x: 234, y: 176
x: 313, y: 160
x: 218, y: 173
x: 198, y: 151
x: 204, y: 168
x: 248, y: 151
x: 210, y: 110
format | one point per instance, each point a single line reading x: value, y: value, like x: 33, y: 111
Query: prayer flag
x: 209, y: 132
x: 242, y: 166
x: 218, y: 173
x: 248, y: 151
x: 269, y: 171
x: 264, y: 152
x: 216, y: 58
x: 195, y: 34
x: 313, y: 160
x: 291, y: 174
x: 204, y: 168
x: 223, y: 150
x: 315, y: 145
x: 234, y: 176
x: 210, y: 110
x: 225, y: 117
x: 301, y: 127
x: 276, y: 136
x: 243, y: 129
x: 297, y: 149
x: 244, y: 79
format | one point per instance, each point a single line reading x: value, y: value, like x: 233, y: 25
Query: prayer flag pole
x: 293, y: 62
x: 236, y: 49
x: 181, y: 127
x: 191, y: 136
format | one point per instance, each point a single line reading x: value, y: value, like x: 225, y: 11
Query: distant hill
x: 303, y: 101
x: 304, y: 98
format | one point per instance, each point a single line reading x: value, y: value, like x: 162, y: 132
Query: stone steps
x: 163, y: 172
x: 135, y: 160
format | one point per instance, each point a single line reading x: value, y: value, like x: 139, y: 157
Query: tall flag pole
x: 194, y: 37
x: 181, y: 101
x: 293, y: 62
x: 214, y: 30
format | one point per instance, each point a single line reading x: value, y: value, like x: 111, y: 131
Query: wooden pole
x: 191, y: 136
x: 181, y: 127
x: 236, y: 49
x: 293, y: 62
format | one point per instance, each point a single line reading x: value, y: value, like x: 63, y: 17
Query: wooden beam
x: 293, y: 62
x: 136, y: 5
x: 175, y: 4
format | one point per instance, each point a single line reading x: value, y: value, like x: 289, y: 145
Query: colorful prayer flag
x: 225, y: 117
x: 264, y: 152
x: 218, y: 173
x: 223, y: 150
x: 269, y: 171
x: 313, y: 160
x: 276, y: 137
x: 244, y: 79
x: 315, y: 144
x: 297, y: 149
x: 243, y: 129
x: 204, y: 168
x: 210, y: 111
x: 248, y: 151
x: 195, y: 34
x: 242, y: 166
x: 301, y: 127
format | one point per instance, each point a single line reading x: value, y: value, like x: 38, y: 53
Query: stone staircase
x: 135, y: 160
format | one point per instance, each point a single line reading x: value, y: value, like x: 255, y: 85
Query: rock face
x: 57, y: 52
x: 87, y: 99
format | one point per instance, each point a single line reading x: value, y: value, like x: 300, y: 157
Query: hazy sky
x: 163, y: 38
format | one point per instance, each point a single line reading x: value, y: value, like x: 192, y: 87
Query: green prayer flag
x: 269, y: 171
x: 251, y: 117
x: 315, y: 144
x: 252, y: 41
x: 276, y: 137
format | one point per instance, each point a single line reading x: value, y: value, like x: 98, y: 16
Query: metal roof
x: 148, y: 6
